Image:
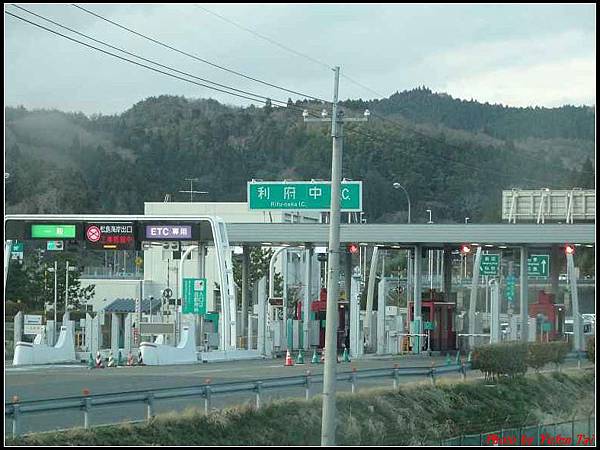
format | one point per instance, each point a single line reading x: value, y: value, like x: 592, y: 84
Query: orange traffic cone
x: 288, y: 359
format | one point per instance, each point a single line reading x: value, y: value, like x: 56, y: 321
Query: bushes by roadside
x: 512, y: 359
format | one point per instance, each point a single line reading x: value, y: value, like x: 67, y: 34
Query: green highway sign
x: 538, y: 266
x: 546, y: 326
x: 43, y: 231
x: 428, y: 326
x: 302, y: 195
x: 194, y: 296
x: 489, y: 264
x: 54, y: 245
x: 510, y: 287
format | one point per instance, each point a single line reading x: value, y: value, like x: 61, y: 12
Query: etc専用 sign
x: 171, y: 232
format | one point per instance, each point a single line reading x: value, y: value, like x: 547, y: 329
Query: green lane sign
x: 428, y: 326
x: 302, y: 195
x: 538, y: 266
x: 489, y: 264
x: 510, y: 287
x: 43, y: 231
x: 54, y: 245
x: 194, y: 296
x: 546, y: 326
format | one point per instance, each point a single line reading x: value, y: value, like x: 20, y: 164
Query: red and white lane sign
x: 93, y: 233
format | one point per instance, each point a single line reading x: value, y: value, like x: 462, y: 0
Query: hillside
x: 455, y: 163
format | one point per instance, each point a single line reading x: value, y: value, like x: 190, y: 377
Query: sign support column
x: 245, y: 296
x: 307, y: 299
x: 524, y: 297
x: 417, y: 320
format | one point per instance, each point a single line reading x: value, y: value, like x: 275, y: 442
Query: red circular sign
x: 93, y: 233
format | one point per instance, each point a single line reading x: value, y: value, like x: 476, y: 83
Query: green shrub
x: 494, y: 360
x: 541, y: 354
x: 558, y: 351
x: 538, y: 355
x: 591, y: 348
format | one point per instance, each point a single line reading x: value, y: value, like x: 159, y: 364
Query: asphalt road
x: 51, y: 382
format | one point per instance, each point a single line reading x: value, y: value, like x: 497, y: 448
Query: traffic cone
x: 346, y: 355
x: 120, y: 359
x: 99, y: 364
x: 300, y: 359
x: 111, y: 361
x: 91, y: 363
x: 130, y: 361
x: 288, y: 359
x: 448, y: 361
x: 315, y: 357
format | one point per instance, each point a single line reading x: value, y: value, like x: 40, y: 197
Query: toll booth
x: 438, y: 320
x: 550, y: 323
x: 319, y: 310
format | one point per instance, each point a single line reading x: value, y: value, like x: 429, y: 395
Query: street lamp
x: 399, y: 186
x: 430, y: 221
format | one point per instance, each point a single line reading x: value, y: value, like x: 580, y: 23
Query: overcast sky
x: 517, y: 55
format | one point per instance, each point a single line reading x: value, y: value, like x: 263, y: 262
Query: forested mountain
x: 453, y: 157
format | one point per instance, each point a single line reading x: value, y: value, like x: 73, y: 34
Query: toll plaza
x: 460, y: 312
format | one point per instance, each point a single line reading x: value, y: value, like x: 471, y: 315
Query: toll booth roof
x: 127, y: 305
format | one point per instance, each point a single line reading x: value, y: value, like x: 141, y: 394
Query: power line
x: 283, y: 102
x: 266, y: 38
x: 135, y: 62
x: 286, y: 48
x: 295, y: 52
x: 194, y: 56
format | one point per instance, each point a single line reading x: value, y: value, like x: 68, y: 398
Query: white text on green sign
x: 538, y: 266
x: 489, y: 264
x: 302, y: 195
x: 194, y: 296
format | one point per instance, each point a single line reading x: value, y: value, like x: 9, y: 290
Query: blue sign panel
x: 169, y: 232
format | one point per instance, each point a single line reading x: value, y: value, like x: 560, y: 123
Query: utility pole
x: 191, y: 191
x: 333, y: 286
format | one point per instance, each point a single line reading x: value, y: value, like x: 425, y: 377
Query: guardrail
x: 87, y: 401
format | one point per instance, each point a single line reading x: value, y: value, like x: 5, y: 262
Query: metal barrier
x: 87, y: 401
x: 572, y: 432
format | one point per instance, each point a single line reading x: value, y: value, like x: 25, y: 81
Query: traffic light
x: 569, y: 249
x: 465, y: 249
x: 352, y: 248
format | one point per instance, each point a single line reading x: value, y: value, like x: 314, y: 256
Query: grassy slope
x: 415, y: 414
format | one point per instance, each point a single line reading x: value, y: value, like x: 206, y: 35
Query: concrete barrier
x: 230, y: 355
x: 159, y: 354
x: 27, y: 353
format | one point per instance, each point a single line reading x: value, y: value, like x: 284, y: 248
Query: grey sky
x: 517, y: 55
